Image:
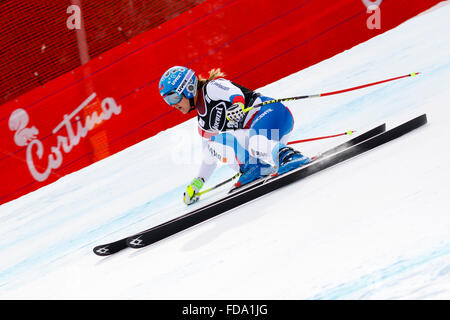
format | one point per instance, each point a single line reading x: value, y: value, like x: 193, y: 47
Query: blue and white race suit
x: 258, y: 135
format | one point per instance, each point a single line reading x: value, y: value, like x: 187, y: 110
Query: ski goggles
x: 172, y: 98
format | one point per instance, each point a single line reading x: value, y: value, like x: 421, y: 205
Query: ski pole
x: 325, y: 137
x: 291, y: 142
x: 330, y: 93
x: 220, y: 184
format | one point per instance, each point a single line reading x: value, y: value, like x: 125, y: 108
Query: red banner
x: 112, y: 102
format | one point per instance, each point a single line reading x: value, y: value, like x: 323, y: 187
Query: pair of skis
x: 358, y: 145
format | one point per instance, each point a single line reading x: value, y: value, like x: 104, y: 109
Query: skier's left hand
x: 191, y: 194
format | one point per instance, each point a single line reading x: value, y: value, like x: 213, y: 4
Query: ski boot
x: 253, y: 171
x: 290, y: 159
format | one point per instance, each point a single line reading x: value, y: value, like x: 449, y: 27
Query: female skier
x: 251, y: 140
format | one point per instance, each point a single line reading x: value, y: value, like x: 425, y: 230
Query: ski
x: 188, y: 220
x: 110, y: 248
x: 134, y: 241
x: 366, y: 135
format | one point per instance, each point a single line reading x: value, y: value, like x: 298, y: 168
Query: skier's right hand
x: 191, y: 193
x: 236, y: 112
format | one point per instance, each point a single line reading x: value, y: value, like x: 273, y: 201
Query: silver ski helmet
x: 176, y: 82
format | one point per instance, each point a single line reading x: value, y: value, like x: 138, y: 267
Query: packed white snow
x: 374, y: 227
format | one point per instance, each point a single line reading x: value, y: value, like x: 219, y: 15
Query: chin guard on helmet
x: 191, y: 102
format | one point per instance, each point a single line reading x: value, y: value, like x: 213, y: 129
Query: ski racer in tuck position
x: 250, y: 140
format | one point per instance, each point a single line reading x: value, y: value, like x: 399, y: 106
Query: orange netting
x: 37, y: 46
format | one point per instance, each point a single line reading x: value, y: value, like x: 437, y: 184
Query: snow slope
x: 374, y: 227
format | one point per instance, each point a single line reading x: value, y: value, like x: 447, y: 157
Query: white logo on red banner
x: 24, y: 136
